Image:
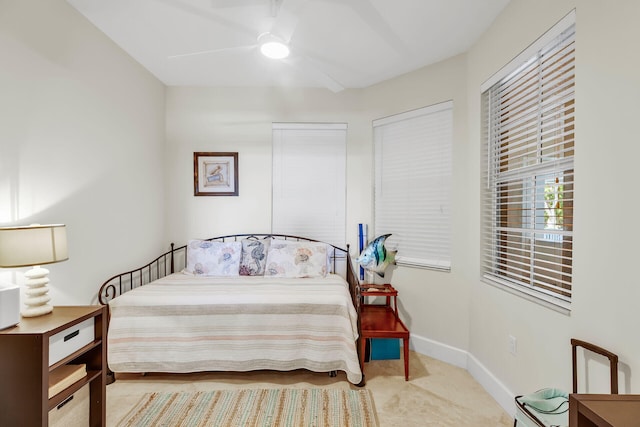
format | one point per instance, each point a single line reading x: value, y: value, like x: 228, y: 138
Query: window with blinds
x: 309, y: 181
x: 413, y: 184
x: 528, y: 173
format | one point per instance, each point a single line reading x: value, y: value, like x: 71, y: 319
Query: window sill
x: 425, y: 264
x: 562, y: 307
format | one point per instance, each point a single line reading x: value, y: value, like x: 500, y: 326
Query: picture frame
x: 215, y: 174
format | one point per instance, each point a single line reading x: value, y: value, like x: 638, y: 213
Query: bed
x: 237, y: 303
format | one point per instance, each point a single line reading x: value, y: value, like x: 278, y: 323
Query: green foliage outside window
x: 553, y: 206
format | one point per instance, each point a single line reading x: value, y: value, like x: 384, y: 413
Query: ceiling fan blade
x: 286, y: 17
x: 274, y: 7
x: 222, y: 49
x: 312, y: 67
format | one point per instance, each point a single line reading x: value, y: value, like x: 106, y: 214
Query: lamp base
x: 37, y: 299
x: 36, y: 311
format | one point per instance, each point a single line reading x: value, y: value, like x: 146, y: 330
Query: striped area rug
x: 255, y: 407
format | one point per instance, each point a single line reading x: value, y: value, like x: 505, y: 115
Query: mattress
x: 183, y: 323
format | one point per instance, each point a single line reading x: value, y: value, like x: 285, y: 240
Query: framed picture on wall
x: 215, y: 174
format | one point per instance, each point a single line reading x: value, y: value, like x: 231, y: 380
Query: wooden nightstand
x: 382, y: 320
x: 32, y: 351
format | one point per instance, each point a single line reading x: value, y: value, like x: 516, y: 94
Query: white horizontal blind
x: 413, y: 184
x: 309, y: 181
x: 527, y: 202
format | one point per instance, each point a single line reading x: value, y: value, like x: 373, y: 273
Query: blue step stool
x: 385, y: 348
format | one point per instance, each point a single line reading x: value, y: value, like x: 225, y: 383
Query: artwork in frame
x: 215, y: 174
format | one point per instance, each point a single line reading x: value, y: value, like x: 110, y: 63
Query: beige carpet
x: 437, y: 394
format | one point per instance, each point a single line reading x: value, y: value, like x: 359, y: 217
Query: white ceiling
x: 335, y: 43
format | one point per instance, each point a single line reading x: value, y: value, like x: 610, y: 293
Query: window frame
x: 413, y: 158
x: 543, y: 273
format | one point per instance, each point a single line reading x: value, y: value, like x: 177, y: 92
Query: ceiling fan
x: 275, y: 43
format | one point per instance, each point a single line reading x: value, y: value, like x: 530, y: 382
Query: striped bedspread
x: 183, y: 323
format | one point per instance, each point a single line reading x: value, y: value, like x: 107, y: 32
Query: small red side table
x: 382, y: 320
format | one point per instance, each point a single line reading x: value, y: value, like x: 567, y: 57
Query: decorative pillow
x: 254, y: 257
x: 205, y: 258
x: 296, y: 259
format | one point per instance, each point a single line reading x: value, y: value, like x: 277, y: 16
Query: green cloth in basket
x: 550, y: 407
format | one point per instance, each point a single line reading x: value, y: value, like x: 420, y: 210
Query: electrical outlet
x: 513, y: 345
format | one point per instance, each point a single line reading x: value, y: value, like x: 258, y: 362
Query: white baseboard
x: 492, y: 385
x: 465, y: 360
x: 437, y: 350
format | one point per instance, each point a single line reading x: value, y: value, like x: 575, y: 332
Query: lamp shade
x: 25, y: 246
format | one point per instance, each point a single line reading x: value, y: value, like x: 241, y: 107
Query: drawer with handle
x: 73, y: 411
x: 71, y: 339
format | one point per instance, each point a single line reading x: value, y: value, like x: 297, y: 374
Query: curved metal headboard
x: 176, y: 259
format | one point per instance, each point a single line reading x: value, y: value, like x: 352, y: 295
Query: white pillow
x: 296, y: 259
x: 205, y: 258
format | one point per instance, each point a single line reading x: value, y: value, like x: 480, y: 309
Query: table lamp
x: 33, y: 246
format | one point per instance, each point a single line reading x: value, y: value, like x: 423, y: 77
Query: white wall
x: 434, y: 304
x: 454, y: 316
x: 81, y: 143
x: 605, y: 290
x: 240, y: 120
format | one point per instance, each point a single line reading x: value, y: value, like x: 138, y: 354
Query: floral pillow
x: 254, y: 257
x: 205, y: 258
x: 296, y: 259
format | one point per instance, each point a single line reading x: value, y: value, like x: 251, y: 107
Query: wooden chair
x: 550, y: 407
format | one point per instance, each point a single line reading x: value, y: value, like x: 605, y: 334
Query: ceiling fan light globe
x: 274, y: 50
